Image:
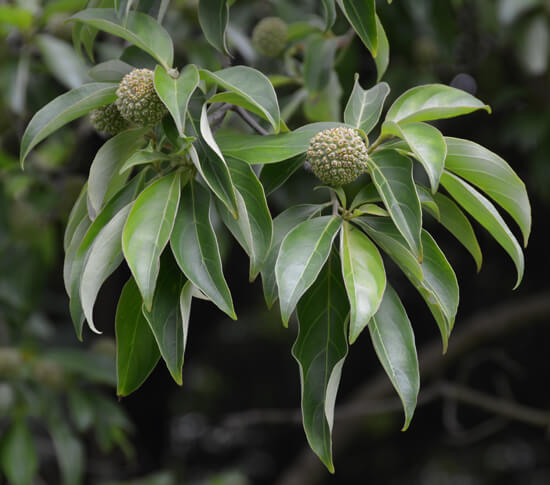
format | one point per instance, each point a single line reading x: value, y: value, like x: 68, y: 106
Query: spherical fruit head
x: 137, y: 99
x: 337, y: 156
x: 108, y: 120
x: 270, y: 36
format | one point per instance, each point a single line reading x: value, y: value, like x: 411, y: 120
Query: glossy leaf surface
x: 361, y: 14
x: 364, y: 106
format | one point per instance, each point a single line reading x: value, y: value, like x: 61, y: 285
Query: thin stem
x: 377, y: 143
x: 334, y: 201
x: 249, y: 120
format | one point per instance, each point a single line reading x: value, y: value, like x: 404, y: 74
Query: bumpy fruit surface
x: 137, y: 100
x: 270, y: 36
x: 337, y: 156
x: 108, y: 119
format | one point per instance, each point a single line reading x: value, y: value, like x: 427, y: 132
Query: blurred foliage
x: 56, y: 396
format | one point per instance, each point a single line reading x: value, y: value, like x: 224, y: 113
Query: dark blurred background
x: 483, y: 412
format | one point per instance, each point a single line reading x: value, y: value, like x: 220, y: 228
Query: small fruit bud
x: 337, y: 156
x: 270, y: 36
x: 108, y: 120
x: 137, y: 100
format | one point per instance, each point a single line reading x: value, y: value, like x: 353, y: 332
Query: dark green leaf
x: 392, y: 175
x: 143, y: 157
x: 361, y: 14
x: 302, y: 255
x: 195, y: 247
x: 148, y: 230
x: 364, y: 277
x: 273, y: 176
x: 365, y: 106
x: 18, y: 454
x: 393, y: 340
x: 214, y: 17
x: 482, y: 210
x: 366, y: 194
x: 427, y: 201
x: 137, y: 352
x: 110, y: 71
x: 320, y: 350
x: 382, y: 59
x: 329, y: 7
x: 78, y: 212
x: 64, y: 109
x: 494, y: 176
x: 139, y: 29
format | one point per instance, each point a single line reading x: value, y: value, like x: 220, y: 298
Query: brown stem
x: 249, y: 120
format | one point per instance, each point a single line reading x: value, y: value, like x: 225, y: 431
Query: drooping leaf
x: 143, y: 157
x: 282, y: 225
x: 274, y: 175
x: 329, y: 7
x: 214, y: 17
x: 253, y: 229
x: 365, y: 106
x: 454, y: 220
x: 195, y: 247
x: 393, y: 340
x: 252, y: 86
x: 148, y: 230
x: 364, y: 277
x: 176, y: 93
x: 320, y: 350
x: 382, y: 59
x: 426, y: 142
x: 209, y: 161
x: 165, y: 317
x: 137, y: 352
x: 301, y: 257
x: 319, y: 62
x: 392, y: 175
x: 427, y: 201
x: 492, y: 175
x: 18, y: 455
x: 68, y: 449
x: 64, y: 109
x: 256, y: 149
x: 78, y: 211
x: 482, y: 210
x: 104, y: 172
x: 361, y: 14
x: 139, y: 29
x: 102, y: 259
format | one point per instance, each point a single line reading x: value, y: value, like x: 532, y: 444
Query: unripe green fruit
x: 337, y: 156
x: 270, y: 36
x: 108, y: 119
x: 137, y: 100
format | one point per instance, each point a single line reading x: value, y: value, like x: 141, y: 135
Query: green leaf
x: 176, y: 93
x: 62, y: 61
x: 427, y: 144
x: 214, y: 17
x: 81, y: 409
x: 148, y: 230
x: 110, y: 71
x: 64, y: 109
x: 320, y: 350
x: 393, y: 340
x: 137, y: 352
x: 143, y: 157
x: 282, y: 225
x: 364, y: 277
x: 361, y: 14
x: 252, y: 86
x: 433, y: 102
x: 366, y: 194
x: 256, y: 149
x: 85, y: 364
x: 392, y: 175
x: 427, y: 201
x: 102, y: 259
x: 318, y: 62
x: 454, y: 220
x: 139, y: 29
x: 195, y: 247
x: 78, y: 212
x: 301, y: 257
x: 274, y: 175
x: 253, y: 229
x: 382, y: 59
x: 210, y: 163
x: 18, y: 454
x: 165, y: 317
x: 68, y: 449
x: 365, y: 106
x: 492, y: 175
x: 434, y: 279
x: 485, y: 213
x: 75, y: 263
x: 104, y: 171
x: 329, y: 7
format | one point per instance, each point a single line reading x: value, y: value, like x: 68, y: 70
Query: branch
x: 307, y: 470
x: 249, y: 120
